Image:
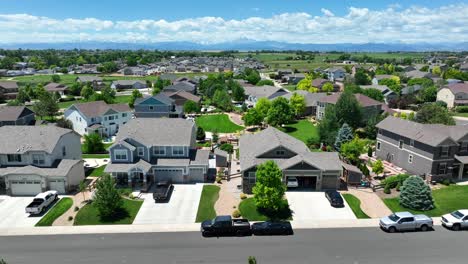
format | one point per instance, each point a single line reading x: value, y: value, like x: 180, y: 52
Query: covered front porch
x: 460, y: 171
x: 138, y: 175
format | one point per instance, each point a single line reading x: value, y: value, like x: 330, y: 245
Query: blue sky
x: 294, y: 21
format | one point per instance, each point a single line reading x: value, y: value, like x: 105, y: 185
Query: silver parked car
x: 406, y: 221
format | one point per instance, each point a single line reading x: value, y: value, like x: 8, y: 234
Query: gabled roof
x: 52, y: 87
x: 310, y: 98
x: 61, y: 169
x: 98, y: 108
x: 128, y: 82
x: 325, y: 161
x: 161, y: 97
x: 363, y: 100
x: 458, y: 88
x: 21, y: 139
x: 180, y: 86
x: 9, y: 84
x: 12, y: 113
x: 430, y: 134
x: 183, y: 94
x: 158, y: 131
x: 265, y: 91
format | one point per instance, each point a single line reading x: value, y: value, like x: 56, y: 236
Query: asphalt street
x: 350, y: 246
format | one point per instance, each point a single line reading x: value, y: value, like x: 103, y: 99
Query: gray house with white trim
x: 159, y: 105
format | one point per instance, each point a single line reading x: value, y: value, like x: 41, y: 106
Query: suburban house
x: 454, y: 94
x: 313, y: 170
x: 386, y: 92
x: 8, y: 89
x: 311, y: 100
x: 335, y: 73
x: 293, y: 78
x: 159, y: 105
x: 16, y: 116
x: 418, y: 74
x: 370, y: 106
x: 254, y: 93
x: 434, y: 150
x: 98, y: 117
x: 150, y: 150
x: 96, y: 82
x: 128, y: 85
x: 320, y: 82
x: 377, y: 78
x: 56, y: 88
x: 181, y: 97
x: 34, y: 159
x: 181, y: 86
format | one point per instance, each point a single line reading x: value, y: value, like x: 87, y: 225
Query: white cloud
x: 358, y: 25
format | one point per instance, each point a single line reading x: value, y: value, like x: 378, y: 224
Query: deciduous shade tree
x: 253, y: 117
x: 269, y: 188
x: 23, y: 96
x: 107, y: 199
x: 353, y: 149
x: 107, y: 95
x: 87, y: 92
x: 93, y: 144
x: 135, y: 95
x: 374, y: 94
x: 263, y: 106
x: 345, y: 134
x: 265, y: 82
x: 237, y: 91
x: 65, y: 123
x: 227, y: 147
x: 222, y: 100
x: 298, y: 104
x: 46, y: 106
x: 416, y: 194
x: 377, y: 167
x: 348, y: 110
x: 434, y: 114
x: 327, y: 87
x: 361, y: 78
x: 280, y: 112
x: 55, y: 78
x: 191, y: 107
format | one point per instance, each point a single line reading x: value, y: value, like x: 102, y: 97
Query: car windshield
x: 394, y: 217
x: 291, y: 179
x: 457, y: 214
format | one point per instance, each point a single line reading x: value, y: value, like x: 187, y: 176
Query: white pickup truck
x: 406, y: 221
x: 456, y: 220
x: 41, y: 201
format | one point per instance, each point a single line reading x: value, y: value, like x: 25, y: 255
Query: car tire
x: 456, y: 227
x: 392, y: 229
x: 424, y: 228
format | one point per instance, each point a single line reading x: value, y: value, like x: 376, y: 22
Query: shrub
x: 243, y: 196
x: 218, y: 179
x: 70, y: 218
x: 394, y: 180
x: 125, y: 192
x: 462, y: 109
x: 236, y: 214
x: 76, y: 208
x: 446, y: 182
x: 369, y: 151
x: 252, y: 260
x: 398, y: 187
x: 416, y: 194
x: 387, y: 189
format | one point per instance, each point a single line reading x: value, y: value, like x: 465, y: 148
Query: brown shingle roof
x: 97, y: 108
x: 362, y: 99
x: 11, y: 113
x: 458, y: 88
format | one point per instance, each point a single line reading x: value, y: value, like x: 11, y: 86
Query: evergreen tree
x: 345, y: 134
x: 107, y: 199
x: 348, y: 110
x: 200, y: 133
x: 416, y: 194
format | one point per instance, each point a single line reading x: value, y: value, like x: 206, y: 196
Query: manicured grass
x: 302, y: 130
x: 89, y: 215
x: 96, y: 172
x: 290, y: 87
x: 95, y: 156
x: 124, y: 99
x: 217, y: 123
x: 55, y: 212
x: 248, y: 210
x: 355, y: 205
x: 460, y: 114
x: 209, y: 196
x: 447, y: 200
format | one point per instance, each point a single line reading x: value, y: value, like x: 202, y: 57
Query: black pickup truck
x: 226, y: 226
x: 162, y: 191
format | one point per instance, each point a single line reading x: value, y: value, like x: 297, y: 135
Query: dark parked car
x: 162, y: 191
x: 224, y: 225
x: 272, y: 228
x: 335, y: 199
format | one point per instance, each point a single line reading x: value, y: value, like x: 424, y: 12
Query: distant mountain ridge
x: 247, y: 45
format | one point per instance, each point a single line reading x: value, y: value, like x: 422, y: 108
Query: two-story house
x: 98, y: 117
x: 16, y: 116
x: 8, y: 89
x: 313, y: 170
x: 254, y: 93
x: 156, y: 149
x: 34, y: 159
x: 52, y: 87
x: 159, y: 105
x: 424, y: 149
x: 335, y: 73
x: 454, y: 94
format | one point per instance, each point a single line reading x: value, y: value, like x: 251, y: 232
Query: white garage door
x: 196, y: 175
x: 57, y: 185
x: 25, y: 187
x: 174, y: 175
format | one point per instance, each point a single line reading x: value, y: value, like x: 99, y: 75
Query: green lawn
x: 55, y: 212
x: 447, y: 199
x: 460, y: 114
x: 95, y: 156
x: 208, y: 199
x: 290, y: 87
x: 217, y: 123
x: 355, y: 205
x: 96, y: 172
x: 124, y: 99
x: 249, y: 211
x: 302, y: 130
x: 89, y: 215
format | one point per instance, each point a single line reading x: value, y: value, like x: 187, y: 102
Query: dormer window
x: 444, y: 152
x: 280, y: 152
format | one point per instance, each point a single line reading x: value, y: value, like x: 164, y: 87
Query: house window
x: 280, y: 152
x: 14, y: 158
x: 444, y: 152
x: 411, y: 143
x: 92, y: 119
x: 464, y: 147
x: 124, y: 114
x: 159, y: 150
x: 38, y: 159
x: 141, y: 151
x: 151, y: 107
x: 442, y: 168
x: 111, y: 118
x: 120, y: 154
x: 64, y: 151
x: 177, y: 151
x: 251, y: 179
x: 400, y: 144
x: 378, y: 145
x: 410, y: 158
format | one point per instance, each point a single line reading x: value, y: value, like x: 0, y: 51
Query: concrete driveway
x: 180, y: 209
x: 307, y: 205
x: 12, y: 212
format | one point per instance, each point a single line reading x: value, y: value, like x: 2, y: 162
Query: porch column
x: 460, y: 171
x: 129, y: 175
x: 144, y: 181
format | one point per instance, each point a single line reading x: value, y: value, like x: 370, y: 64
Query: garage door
x: 174, y: 175
x: 25, y: 187
x: 57, y: 185
x: 329, y: 182
x: 196, y: 175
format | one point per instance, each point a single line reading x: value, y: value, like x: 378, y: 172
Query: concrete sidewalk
x: 195, y: 227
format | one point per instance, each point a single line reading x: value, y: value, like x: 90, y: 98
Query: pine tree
x: 416, y: 194
x: 345, y: 134
x: 107, y: 199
